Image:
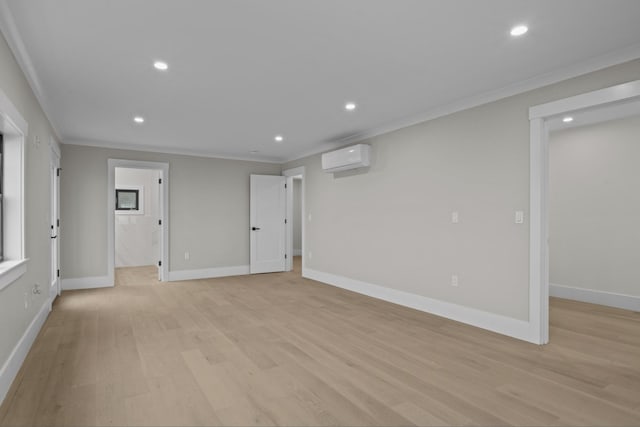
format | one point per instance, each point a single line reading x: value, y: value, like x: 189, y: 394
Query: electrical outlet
x: 186, y: 256
x: 454, y: 280
x: 455, y: 217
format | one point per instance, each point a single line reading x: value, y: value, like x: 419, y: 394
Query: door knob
x: 255, y: 228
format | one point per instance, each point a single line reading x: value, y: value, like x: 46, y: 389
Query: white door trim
x: 290, y: 173
x: 111, y: 201
x: 538, y: 190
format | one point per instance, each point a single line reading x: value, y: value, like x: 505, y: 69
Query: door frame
x: 163, y: 168
x: 290, y: 173
x: 539, y: 192
x: 55, y: 287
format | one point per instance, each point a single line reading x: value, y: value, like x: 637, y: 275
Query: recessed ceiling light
x: 350, y: 106
x: 568, y: 119
x: 519, y: 30
x: 161, y: 65
x: 279, y: 138
x: 138, y: 119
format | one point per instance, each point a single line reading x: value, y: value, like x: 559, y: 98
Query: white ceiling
x: 243, y: 71
x: 593, y: 115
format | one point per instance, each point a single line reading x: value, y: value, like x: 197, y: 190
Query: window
x: 13, y: 128
x: 127, y: 200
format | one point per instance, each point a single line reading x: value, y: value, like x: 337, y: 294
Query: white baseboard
x: 297, y: 252
x: 16, y: 358
x: 53, y: 294
x: 627, y: 302
x: 208, y: 273
x: 515, y: 328
x: 87, y: 283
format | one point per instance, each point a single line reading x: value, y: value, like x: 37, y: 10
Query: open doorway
x: 594, y: 206
x: 296, y: 224
x: 126, y: 209
x: 295, y: 229
x: 541, y: 118
x: 137, y: 220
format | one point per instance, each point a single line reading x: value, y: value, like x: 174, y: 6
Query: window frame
x: 14, y: 130
x: 137, y: 188
x: 121, y: 192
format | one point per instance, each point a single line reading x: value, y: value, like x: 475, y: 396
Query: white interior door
x: 267, y: 223
x: 55, y: 224
x: 156, y: 237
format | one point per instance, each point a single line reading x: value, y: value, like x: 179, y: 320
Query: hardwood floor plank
x: 110, y: 405
x: 220, y: 390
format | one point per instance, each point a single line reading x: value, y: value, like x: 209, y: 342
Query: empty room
x: 305, y: 212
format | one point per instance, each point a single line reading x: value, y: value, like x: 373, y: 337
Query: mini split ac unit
x: 356, y: 156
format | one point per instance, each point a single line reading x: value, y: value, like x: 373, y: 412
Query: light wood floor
x: 279, y: 349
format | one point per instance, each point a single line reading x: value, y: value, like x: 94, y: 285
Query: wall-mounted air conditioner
x: 356, y: 156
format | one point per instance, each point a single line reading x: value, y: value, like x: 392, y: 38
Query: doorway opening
x: 295, y: 229
x: 593, y: 209
x: 138, y: 217
x: 542, y: 118
x: 296, y: 225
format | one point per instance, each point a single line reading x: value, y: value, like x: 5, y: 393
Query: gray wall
x: 208, y: 209
x: 14, y: 318
x: 297, y: 216
x: 391, y: 225
x: 594, y: 207
x: 137, y: 235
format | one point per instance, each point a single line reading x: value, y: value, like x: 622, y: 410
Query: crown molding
x: 14, y: 40
x: 610, y: 59
x: 166, y: 150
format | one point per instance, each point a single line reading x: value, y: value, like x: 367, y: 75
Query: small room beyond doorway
x: 297, y: 225
x: 137, y: 210
x: 593, y: 210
